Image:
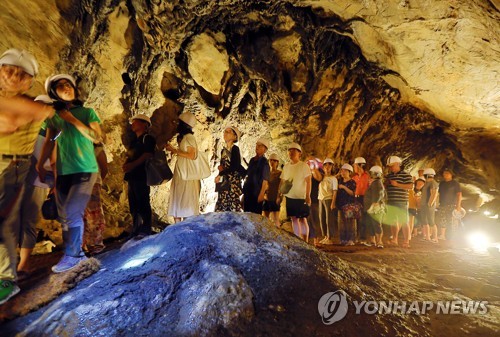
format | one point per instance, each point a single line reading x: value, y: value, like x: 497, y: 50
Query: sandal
x: 22, y: 275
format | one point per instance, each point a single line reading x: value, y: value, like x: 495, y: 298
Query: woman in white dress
x: 184, y: 194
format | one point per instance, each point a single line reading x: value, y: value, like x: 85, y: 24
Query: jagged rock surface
x: 343, y: 78
x: 221, y: 274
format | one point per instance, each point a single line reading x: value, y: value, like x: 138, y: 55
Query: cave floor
x: 424, y: 272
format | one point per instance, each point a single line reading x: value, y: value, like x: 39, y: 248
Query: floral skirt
x: 229, y: 201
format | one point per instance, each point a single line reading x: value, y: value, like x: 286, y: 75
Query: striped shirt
x: 397, y: 195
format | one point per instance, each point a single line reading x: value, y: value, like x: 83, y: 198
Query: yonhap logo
x: 333, y: 307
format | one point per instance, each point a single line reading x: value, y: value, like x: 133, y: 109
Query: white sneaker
x: 67, y: 263
x: 328, y: 242
x: 350, y: 243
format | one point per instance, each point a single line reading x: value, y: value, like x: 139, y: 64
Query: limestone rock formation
x: 222, y: 274
x: 365, y: 78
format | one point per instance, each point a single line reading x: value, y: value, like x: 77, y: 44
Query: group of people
x: 55, y: 143
x: 50, y: 142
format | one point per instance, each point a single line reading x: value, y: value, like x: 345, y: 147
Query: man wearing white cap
x: 140, y: 150
x: 17, y: 71
x: 298, y: 198
x: 20, y: 121
x: 258, y: 175
x: 23, y: 222
x: 398, y: 184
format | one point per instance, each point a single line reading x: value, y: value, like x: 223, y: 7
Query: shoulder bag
x: 196, y: 169
x: 157, y: 169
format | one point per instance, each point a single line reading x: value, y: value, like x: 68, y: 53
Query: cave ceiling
x: 370, y: 78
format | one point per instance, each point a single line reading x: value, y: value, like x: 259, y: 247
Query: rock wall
x: 343, y: 78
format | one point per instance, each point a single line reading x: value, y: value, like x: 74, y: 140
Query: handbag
x: 352, y: 211
x: 49, y: 207
x: 286, y: 186
x: 157, y: 169
x: 195, y: 169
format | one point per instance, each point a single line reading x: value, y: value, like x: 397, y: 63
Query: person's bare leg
x: 442, y: 233
x: 426, y: 232
x: 406, y: 235
x: 276, y: 216
x: 304, y: 229
x: 24, y: 257
x: 296, y: 227
x: 395, y: 233
x: 434, y: 233
x: 411, y: 224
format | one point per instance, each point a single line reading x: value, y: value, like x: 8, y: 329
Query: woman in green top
x: 76, y: 163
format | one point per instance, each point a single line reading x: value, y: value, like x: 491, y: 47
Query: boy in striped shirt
x: 398, y: 183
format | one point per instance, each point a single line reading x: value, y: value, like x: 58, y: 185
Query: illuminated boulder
x: 212, y: 275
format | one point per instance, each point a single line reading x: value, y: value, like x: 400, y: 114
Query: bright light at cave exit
x: 142, y: 256
x: 479, y: 241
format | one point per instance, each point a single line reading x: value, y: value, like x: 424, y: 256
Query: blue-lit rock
x: 221, y: 274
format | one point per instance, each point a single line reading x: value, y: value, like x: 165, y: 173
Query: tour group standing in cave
x: 354, y: 202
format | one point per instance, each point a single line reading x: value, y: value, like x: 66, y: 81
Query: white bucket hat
x: 141, y: 117
x: 264, y: 142
x: 429, y: 171
x: 347, y: 167
x: 188, y: 118
x: 274, y: 156
x: 295, y: 146
x: 359, y: 160
x: 393, y: 160
x: 20, y: 58
x: 236, y: 131
x: 328, y: 160
x: 376, y: 169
